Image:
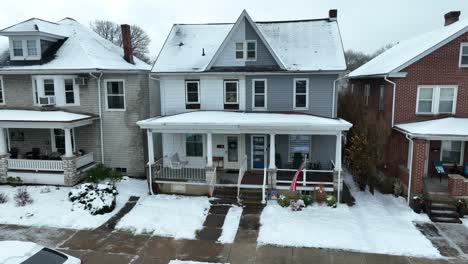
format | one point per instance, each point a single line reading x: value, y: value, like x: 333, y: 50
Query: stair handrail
x: 242, y: 170
x: 264, y: 185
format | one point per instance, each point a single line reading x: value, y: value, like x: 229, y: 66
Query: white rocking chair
x: 176, y: 163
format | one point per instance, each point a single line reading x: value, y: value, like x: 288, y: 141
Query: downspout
x: 100, y: 112
x: 393, y: 99
x: 410, y: 162
x: 334, y: 94
x: 151, y: 155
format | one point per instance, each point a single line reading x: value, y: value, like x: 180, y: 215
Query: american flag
x: 293, y: 186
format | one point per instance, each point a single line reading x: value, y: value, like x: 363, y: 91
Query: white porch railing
x: 85, y: 160
x: 305, y: 181
x: 242, y: 170
x: 35, y: 165
x: 213, y: 182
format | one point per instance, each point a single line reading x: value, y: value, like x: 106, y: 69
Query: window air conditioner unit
x: 47, y: 100
x: 81, y: 81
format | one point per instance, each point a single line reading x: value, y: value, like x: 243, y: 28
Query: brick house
x: 420, y: 86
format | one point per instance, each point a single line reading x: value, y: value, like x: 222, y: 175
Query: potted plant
x: 418, y: 204
x: 461, y: 207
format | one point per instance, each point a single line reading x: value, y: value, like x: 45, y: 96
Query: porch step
x: 443, y: 207
x: 445, y: 220
x: 444, y: 213
x: 228, y: 195
x: 443, y: 210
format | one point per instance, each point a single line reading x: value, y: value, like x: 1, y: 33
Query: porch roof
x: 438, y: 129
x: 245, y: 122
x: 42, y: 119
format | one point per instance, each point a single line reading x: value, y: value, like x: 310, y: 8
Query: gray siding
x: 280, y: 93
x: 264, y: 57
x: 124, y: 142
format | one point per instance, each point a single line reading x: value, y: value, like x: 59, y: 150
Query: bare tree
x: 111, y: 31
x: 356, y: 59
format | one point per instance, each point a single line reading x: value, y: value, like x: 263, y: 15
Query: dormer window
x: 251, y: 50
x: 246, y: 50
x: 25, y: 49
x: 240, y: 50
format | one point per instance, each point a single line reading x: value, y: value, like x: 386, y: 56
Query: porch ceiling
x: 43, y: 119
x: 244, y: 122
x: 438, y: 129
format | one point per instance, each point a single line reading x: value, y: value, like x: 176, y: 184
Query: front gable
x: 242, y: 32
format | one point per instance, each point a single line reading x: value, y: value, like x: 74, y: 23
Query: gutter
x: 393, y: 99
x: 12, y: 71
x: 100, y: 112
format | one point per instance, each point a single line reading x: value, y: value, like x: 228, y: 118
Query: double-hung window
x: 192, y: 94
x: 32, y: 47
x: 194, y: 145
x: 452, y: 152
x: 436, y: 99
x: 231, y: 94
x: 17, y: 48
x: 464, y: 55
x: 49, y: 87
x: 251, y: 49
x: 2, y: 92
x: 301, y: 93
x: 259, y: 88
x: 59, y: 90
x: 115, y: 93
x: 246, y: 50
x: 240, y: 50
x: 25, y: 49
x: 381, y: 97
x: 69, y: 91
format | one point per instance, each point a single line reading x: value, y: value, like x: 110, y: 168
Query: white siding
x: 175, y: 143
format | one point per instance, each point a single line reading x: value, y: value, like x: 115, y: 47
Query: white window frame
x: 462, y: 152
x: 2, y: 90
x: 124, y: 95
x: 367, y: 88
x: 76, y: 91
x: 236, y: 50
x: 24, y: 45
x: 381, y: 97
x: 290, y: 153
x: 307, y: 93
x: 237, y: 91
x: 247, y: 50
x: 59, y: 89
x: 202, y: 141
x: 265, y: 94
x: 186, y: 91
x: 436, y: 99
x: 462, y: 45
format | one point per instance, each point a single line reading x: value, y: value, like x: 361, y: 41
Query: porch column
x: 338, y: 164
x: 209, y: 150
x: 272, y: 152
x: 3, y: 142
x: 68, y: 143
x: 149, y: 133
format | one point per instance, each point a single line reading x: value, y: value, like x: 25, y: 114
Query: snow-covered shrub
x: 45, y: 189
x: 14, y: 181
x: 3, y: 198
x: 22, y: 197
x: 320, y: 195
x: 283, y: 201
x: 98, y: 199
x: 297, y: 205
x: 331, y: 201
x: 307, y: 200
x: 101, y: 173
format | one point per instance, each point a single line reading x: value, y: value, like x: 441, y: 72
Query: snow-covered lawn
x: 167, y: 215
x: 231, y: 223
x: 465, y: 221
x: 377, y: 224
x: 55, y: 210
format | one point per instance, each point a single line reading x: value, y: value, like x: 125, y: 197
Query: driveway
x: 100, y: 246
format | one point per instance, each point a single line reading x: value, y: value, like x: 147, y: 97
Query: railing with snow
x: 84, y: 160
x: 242, y: 170
x: 306, y: 179
x: 35, y: 165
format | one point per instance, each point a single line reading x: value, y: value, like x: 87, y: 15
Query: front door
x: 258, y: 151
x: 231, y: 157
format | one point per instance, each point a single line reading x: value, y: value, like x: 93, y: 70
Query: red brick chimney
x: 127, y: 43
x: 333, y: 14
x: 451, y: 17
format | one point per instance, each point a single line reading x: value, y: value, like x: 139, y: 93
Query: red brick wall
x: 458, y: 187
x: 419, y: 154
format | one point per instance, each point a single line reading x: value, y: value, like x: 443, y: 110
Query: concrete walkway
x: 104, y: 247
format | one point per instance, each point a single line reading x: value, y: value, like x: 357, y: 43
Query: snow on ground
x: 377, y: 224
x: 465, y: 221
x: 55, y: 210
x: 231, y: 223
x: 16, y: 250
x: 190, y: 262
x: 167, y: 215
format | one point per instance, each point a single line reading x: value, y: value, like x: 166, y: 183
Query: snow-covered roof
x: 35, y: 25
x: 303, y: 45
x: 245, y: 122
x: 444, y: 127
x: 408, y: 51
x: 40, y: 116
x: 84, y: 50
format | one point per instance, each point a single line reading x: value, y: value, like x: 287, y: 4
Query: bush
x: 3, y: 198
x: 331, y: 201
x: 320, y: 196
x: 22, y: 197
x: 99, y: 199
x: 307, y: 200
x: 14, y: 181
x: 386, y: 185
x: 284, y: 201
x: 101, y: 173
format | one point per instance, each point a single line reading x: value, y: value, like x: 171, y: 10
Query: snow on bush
x: 98, y: 199
x: 22, y: 197
x: 3, y: 198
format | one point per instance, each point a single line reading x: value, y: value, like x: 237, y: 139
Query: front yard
x: 376, y: 224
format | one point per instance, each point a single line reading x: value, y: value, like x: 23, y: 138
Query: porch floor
x: 434, y: 185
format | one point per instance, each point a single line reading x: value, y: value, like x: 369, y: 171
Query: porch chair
x: 439, y: 169
x: 176, y: 163
x: 34, y: 154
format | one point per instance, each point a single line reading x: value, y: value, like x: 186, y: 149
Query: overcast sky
x: 365, y: 25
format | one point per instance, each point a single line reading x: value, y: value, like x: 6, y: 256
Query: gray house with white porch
x: 242, y: 102
x: 68, y: 100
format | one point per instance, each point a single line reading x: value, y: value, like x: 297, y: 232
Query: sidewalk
x: 99, y: 246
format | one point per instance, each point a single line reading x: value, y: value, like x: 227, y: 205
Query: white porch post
x: 149, y: 133
x: 338, y: 163
x: 3, y: 143
x: 68, y: 143
x: 209, y: 150
x: 272, y: 152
